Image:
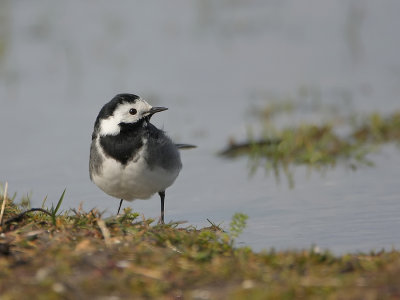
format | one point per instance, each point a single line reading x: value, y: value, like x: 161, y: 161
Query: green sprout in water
x: 237, y: 225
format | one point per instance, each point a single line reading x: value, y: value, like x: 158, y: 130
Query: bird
x: 130, y: 158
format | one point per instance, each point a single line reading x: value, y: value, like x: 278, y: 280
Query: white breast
x: 134, y: 180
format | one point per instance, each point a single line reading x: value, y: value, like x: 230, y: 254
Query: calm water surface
x: 211, y: 63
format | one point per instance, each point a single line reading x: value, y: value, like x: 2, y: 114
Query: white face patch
x: 122, y: 114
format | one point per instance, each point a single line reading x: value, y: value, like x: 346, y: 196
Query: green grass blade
x: 60, y: 201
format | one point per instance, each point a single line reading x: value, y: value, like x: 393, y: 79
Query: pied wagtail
x: 130, y: 158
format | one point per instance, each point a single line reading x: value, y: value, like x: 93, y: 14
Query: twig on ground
x: 104, y: 230
x: 3, y: 206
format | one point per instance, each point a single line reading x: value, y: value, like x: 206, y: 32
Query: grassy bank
x: 79, y: 254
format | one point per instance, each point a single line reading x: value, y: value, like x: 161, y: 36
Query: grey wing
x: 95, y: 160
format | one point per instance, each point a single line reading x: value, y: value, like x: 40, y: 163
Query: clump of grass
x: 378, y: 129
x: 83, y: 255
x: 26, y: 207
x: 318, y: 145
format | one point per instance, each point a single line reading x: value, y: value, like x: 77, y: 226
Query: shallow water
x: 210, y: 63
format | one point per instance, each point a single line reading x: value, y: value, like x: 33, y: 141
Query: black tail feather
x: 185, y: 146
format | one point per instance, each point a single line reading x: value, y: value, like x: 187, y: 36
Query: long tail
x: 185, y: 146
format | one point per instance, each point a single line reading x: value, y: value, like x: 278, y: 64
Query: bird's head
x: 124, y: 110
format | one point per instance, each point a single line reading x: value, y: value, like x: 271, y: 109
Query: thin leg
x: 162, y: 197
x: 119, y: 208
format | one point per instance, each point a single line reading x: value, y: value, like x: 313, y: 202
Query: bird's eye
x: 133, y: 111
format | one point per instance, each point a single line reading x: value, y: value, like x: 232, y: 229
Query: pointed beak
x: 154, y: 110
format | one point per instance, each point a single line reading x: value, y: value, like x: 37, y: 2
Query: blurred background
x: 212, y: 63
